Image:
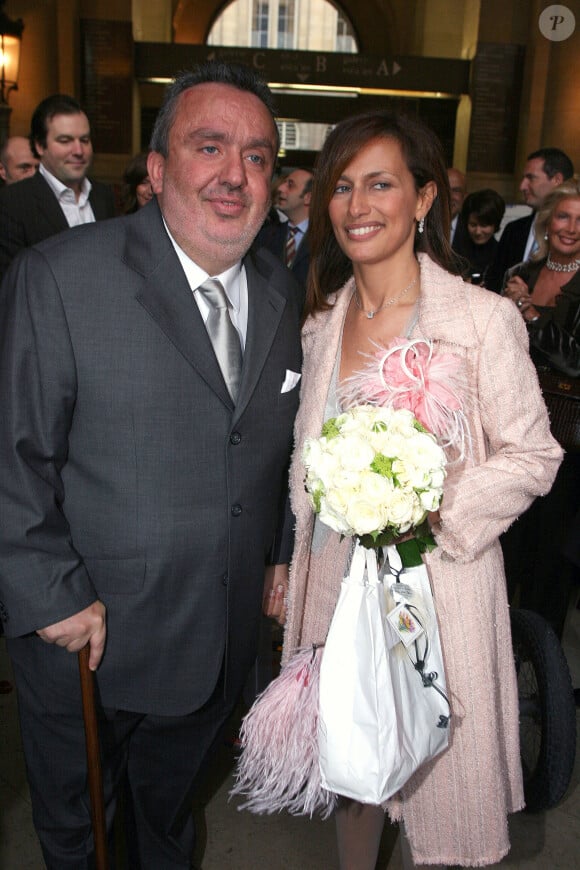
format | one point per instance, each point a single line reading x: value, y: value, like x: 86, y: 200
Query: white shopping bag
x: 380, y: 718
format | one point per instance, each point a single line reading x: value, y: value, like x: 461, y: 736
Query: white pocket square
x: 290, y: 381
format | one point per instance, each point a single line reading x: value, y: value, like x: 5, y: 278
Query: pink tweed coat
x: 455, y: 808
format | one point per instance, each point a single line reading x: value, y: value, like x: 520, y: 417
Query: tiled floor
x: 239, y: 841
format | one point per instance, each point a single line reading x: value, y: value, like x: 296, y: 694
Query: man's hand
x: 87, y: 626
x: 275, y: 591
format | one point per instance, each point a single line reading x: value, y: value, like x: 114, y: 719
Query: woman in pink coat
x: 382, y: 268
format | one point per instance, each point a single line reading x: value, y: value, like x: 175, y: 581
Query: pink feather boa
x: 278, y: 766
x: 411, y: 374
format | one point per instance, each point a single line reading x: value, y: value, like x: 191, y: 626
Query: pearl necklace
x: 553, y: 266
x: 370, y: 313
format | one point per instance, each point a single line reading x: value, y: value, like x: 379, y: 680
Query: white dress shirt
x: 233, y: 280
x: 76, y: 211
x: 531, y: 244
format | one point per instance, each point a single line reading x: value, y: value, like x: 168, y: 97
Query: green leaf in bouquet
x: 330, y: 429
x: 382, y: 465
x: 316, y: 498
x: 411, y: 551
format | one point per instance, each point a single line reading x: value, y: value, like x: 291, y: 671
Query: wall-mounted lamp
x: 10, y: 39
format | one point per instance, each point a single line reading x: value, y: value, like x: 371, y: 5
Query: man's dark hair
x: 237, y: 75
x: 555, y: 161
x: 57, y: 104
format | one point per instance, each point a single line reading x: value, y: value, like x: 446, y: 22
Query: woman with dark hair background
x: 382, y: 269
x: 137, y: 189
x: 482, y: 213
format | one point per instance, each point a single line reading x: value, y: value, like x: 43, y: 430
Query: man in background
x: 289, y: 240
x: 60, y: 194
x: 545, y: 169
x: 17, y: 160
x: 458, y: 189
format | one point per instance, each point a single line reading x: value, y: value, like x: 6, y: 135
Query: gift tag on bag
x: 405, y: 624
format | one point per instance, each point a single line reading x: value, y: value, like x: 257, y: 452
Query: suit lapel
x: 47, y: 205
x: 265, y: 309
x: 166, y: 295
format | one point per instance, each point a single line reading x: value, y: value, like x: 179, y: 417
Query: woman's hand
x: 275, y: 592
x: 516, y: 289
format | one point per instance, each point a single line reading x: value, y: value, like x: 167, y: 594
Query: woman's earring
x: 545, y: 237
x: 421, y: 225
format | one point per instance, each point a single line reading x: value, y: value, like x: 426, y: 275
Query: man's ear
x: 2, y: 171
x: 557, y: 179
x: 156, y: 170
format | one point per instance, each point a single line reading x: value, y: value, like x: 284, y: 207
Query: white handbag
x: 382, y: 713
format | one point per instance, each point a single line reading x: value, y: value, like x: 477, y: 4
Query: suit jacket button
x: 236, y: 510
x: 235, y: 438
x: 225, y: 580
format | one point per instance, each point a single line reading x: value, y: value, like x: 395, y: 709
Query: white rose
x: 356, y: 453
x: 400, y: 509
x: 374, y: 487
x: 326, y: 466
x: 344, y: 478
x: 419, y: 514
x: 365, y: 517
x: 338, y: 499
x: 430, y: 499
x: 410, y: 475
x: 438, y: 478
x: 311, y: 452
x: 334, y: 520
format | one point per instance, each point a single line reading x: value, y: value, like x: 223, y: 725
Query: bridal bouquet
x: 375, y: 472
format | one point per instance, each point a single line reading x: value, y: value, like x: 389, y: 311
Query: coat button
x: 236, y: 510
x: 225, y: 580
x: 235, y: 438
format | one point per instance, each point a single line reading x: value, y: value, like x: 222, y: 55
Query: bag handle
x: 363, y: 557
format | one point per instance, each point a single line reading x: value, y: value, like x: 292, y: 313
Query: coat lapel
x: 166, y: 296
x: 444, y: 311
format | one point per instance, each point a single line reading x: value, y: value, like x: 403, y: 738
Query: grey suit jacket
x: 30, y: 213
x: 128, y: 474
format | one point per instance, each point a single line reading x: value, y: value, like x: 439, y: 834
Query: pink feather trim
x: 278, y: 766
x: 411, y: 374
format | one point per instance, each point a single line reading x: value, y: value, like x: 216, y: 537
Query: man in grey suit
x: 59, y: 195
x: 143, y: 479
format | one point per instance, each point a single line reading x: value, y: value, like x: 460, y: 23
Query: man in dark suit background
x: 288, y: 240
x: 141, y: 488
x: 545, y: 169
x: 59, y: 195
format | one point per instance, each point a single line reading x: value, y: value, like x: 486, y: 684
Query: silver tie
x: 223, y: 334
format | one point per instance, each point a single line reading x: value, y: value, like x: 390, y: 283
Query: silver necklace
x: 553, y: 266
x: 370, y: 313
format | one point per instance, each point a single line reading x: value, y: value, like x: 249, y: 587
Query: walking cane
x: 93, y: 762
